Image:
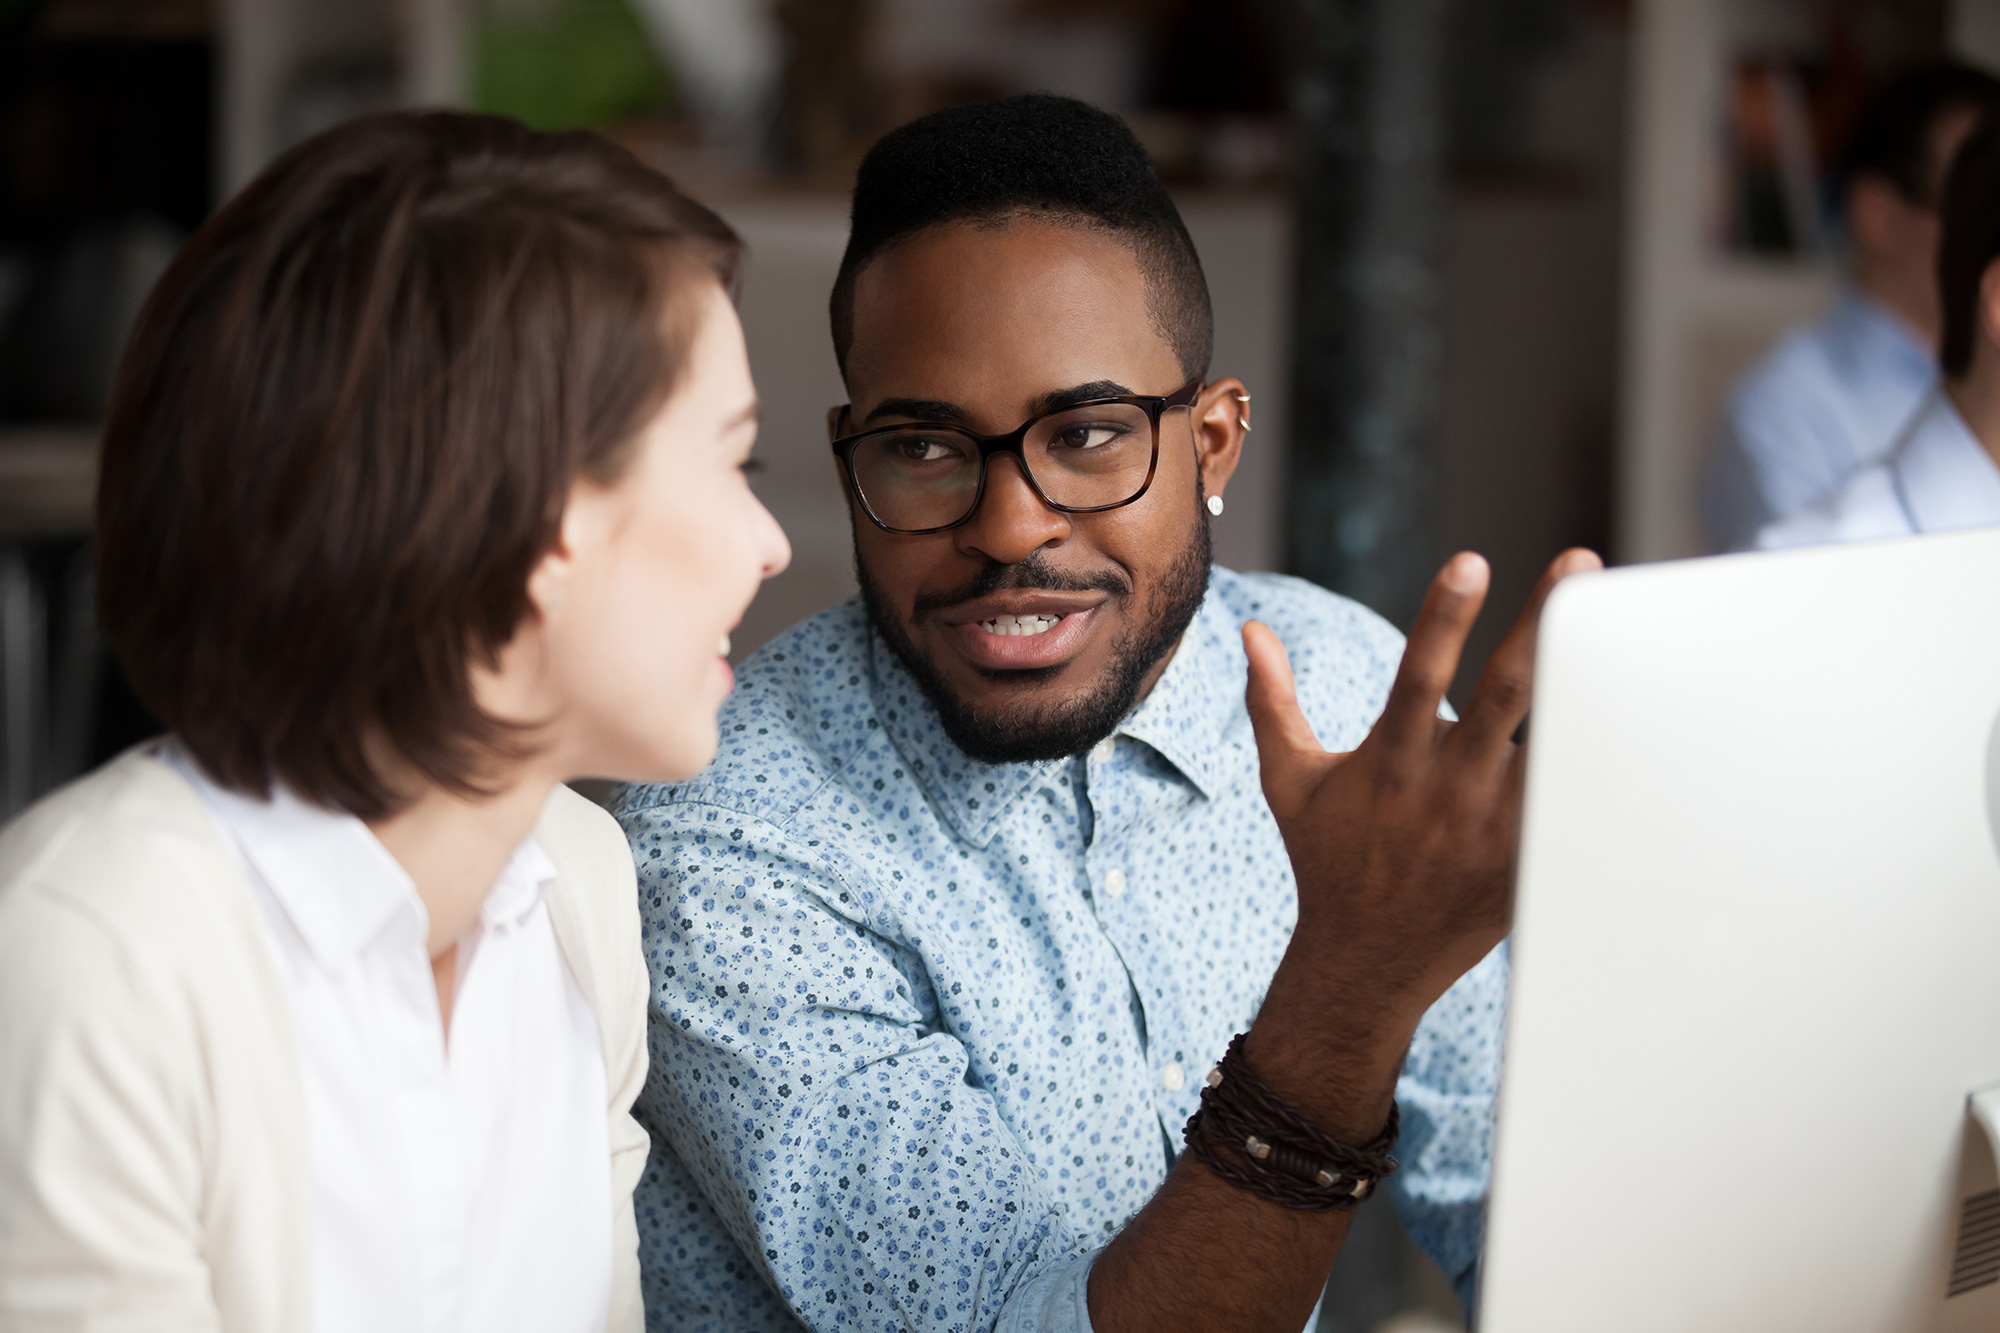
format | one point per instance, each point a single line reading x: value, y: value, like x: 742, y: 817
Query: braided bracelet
x: 1251, y: 1138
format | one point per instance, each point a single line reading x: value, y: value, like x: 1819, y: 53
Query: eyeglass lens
x: 928, y: 477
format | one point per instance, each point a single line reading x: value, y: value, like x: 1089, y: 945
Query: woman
x: 423, y: 492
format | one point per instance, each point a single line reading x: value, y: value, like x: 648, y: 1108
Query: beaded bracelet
x: 1251, y: 1138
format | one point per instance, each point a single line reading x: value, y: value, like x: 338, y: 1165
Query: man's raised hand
x: 1404, y: 847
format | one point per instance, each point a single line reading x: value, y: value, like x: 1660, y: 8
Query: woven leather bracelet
x: 1256, y: 1141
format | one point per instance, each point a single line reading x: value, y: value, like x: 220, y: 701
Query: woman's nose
x: 774, y: 546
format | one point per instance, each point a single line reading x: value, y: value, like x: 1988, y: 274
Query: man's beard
x: 1011, y: 733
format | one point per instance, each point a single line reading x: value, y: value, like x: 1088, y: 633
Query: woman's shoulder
x: 594, y: 903
x: 585, y: 843
x: 124, y: 914
x: 129, y: 847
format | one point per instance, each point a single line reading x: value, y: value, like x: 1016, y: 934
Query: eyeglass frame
x: 1014, y: 442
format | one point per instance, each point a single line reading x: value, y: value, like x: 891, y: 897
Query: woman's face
x: 624, y: 662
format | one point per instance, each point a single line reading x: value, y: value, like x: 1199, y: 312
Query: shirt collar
x: 335, y: 881
x: 1944, y: 477
x: 1181, y: 718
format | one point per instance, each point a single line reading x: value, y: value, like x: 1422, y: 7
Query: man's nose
x: 1011, y: 522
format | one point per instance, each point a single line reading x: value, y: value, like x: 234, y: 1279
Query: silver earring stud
x: 1242, y: 397
x: 1215, y: 505
x: 1245, y: 423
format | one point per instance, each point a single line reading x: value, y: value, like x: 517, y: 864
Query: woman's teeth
x: 1019, y: 624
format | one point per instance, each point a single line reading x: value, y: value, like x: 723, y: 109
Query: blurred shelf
x: 48, y: 479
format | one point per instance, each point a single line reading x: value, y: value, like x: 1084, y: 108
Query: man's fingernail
x: 1462, y: 574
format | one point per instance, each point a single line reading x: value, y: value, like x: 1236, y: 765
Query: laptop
x: 1752, y: 1073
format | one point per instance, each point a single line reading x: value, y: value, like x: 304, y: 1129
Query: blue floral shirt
x: 925, y: 1031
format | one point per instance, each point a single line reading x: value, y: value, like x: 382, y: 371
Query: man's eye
x: 1089, y: 436
x: 921, y: 449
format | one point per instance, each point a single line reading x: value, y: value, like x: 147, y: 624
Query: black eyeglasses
x: 922, y: 477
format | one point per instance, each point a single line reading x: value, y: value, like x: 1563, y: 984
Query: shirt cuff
x: 1055, y: 1301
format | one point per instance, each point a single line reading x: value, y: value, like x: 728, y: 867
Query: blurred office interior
x: 1488, y: 266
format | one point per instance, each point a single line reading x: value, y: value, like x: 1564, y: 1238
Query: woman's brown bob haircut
x: 346, y: 425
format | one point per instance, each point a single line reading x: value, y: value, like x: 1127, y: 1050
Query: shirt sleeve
x: 1450, y: 1079
x: 1731, y: 498
x: 1784, y: 443
x: 101, y: 1175
x: 803, y: 1077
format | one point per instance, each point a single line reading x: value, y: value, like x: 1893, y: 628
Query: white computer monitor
x: 1757, y: 952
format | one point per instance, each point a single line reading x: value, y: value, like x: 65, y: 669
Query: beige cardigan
x: 153, y: 1168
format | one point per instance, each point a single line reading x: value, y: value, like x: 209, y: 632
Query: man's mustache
x: 1034, y: 572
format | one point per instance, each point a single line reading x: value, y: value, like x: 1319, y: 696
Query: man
x: 984, y: 882
x: 1944, y: 471
x: 1831, y: 399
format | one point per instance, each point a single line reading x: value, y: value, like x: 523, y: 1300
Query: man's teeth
x: 1019, y: 624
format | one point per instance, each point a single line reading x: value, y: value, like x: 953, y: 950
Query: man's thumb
x: 1285, y: 740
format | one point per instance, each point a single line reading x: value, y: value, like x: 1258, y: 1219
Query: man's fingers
x: 1430, y: 658
x: 1285, y: 740
x: 1506, y: 686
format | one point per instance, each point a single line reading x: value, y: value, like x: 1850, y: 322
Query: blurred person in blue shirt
x: 1830, y: 400
x: 999, y: 858
x: 1942, y: 471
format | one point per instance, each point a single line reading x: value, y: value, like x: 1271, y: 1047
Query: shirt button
x: 1114, y: 881
x: 1173, y: 1076
x: 1104, y: 749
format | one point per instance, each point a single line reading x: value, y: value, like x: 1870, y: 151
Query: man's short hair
x: 1892, y: 134
x: 1035, y: 156
x: 347, y: 423
x: 1971, y: 241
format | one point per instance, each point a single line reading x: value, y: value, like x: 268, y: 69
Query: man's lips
x: 1023, y: 631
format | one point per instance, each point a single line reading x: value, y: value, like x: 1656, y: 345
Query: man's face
x: 1033, y: 631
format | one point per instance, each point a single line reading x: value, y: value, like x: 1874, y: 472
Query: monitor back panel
x: 1757, y: 950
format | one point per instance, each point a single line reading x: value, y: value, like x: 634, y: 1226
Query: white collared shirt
x: 461, y: 1187
x: 1939, y: 478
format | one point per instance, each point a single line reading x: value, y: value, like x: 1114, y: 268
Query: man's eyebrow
x: 935, y: 409
x: 918, y: 409
x: 1081, y: 393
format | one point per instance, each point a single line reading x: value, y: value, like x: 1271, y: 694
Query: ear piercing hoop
x: 1215, y: 501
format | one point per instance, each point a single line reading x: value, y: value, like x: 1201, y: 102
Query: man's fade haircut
x: 1970, y: 243
x: 347, y: 423
x: 1036, y: 156
x: 1892, y: 134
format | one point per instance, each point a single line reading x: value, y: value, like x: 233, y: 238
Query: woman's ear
x: 1220, y: 419
x: 549, y: 581
x: 589, y: 519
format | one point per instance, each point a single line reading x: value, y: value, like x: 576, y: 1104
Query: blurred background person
x: 1832, y: 397
x: 1941, y: 474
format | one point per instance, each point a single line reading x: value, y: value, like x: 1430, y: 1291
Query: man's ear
x: 833, y: 416
x: 1220, y: 419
